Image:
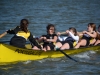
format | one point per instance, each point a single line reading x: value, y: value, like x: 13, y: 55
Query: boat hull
x: 9, y: 54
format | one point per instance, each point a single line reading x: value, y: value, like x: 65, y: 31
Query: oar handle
x: 62, y: 32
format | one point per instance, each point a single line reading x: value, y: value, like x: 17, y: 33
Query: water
x: 63, y: 14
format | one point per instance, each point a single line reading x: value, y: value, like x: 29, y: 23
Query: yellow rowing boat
x: 9, y: 54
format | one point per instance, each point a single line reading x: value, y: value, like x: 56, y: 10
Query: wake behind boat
x: 10, y: 54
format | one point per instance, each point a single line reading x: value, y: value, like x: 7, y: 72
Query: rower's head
x: 24, y: 24
x: 50, y: 29
x: 91, y: 27
x: 73, y: 30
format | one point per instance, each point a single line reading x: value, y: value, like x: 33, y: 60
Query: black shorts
x: 51, y: 45
x: 87, y: 41
x: 69, y: 42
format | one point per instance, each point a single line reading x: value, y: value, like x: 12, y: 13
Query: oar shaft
x: 68, y: 56
x: 4, y: 41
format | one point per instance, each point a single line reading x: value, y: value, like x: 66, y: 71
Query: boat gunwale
x: 50, y: 50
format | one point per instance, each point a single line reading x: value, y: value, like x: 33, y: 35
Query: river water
x: 63, y: 14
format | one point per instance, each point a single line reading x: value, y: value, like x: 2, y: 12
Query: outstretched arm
x: 3, y: 34
x: 9, y: 32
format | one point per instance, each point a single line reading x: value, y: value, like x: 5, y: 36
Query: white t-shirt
x: 62, y: 38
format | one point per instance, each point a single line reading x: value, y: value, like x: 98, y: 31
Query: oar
x: 4, y: 41
x: 9, y: 41
x: 67, y: 55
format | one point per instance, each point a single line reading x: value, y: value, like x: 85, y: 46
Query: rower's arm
x: 52, y: 40
x: 3, y: 34
x: 33, y: 41
x: 94, y: 35
x: 73, y: 36
x: 13, y: 31
x: 80, y: 33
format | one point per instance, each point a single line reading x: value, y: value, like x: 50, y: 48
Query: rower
x: 49, y: 39
x: 70, y: 41
x: 87, y: 36
x: 21, y: 35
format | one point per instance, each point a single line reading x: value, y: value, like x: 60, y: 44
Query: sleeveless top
x: 49, y: 36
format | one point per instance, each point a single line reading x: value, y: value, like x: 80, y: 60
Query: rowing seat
x: 28, y: 46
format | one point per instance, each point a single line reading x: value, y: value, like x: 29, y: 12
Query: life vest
x: 71, y: 39
x: 23, y: 34
x: 88, y: 36
x: 49, y: 36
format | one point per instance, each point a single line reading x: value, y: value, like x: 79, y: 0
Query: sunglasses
x: 51, y: 29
